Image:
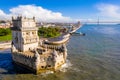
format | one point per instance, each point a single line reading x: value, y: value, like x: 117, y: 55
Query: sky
x: 61, y: 10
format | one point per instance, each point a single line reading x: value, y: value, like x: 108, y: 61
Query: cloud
x: 40, y: 13
x: 3, y: 16
x: 109, y: 10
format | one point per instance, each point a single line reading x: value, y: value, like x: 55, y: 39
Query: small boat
x: 78, y: 34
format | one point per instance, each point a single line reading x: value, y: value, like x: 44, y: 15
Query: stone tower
x: 24, y: 34
x: 27, y: 53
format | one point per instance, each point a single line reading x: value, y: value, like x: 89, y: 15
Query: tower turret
x: 24, y: 33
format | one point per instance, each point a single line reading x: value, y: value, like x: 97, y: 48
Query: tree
x: 4, y: 32
x: 49, y: 32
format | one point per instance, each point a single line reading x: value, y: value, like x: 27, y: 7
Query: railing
x: 30, y: 40
x: 29, y: 28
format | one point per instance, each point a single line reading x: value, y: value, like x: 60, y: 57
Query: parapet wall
x: 24, y: 60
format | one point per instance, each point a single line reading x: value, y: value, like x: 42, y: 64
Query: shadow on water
x: 7, y: 66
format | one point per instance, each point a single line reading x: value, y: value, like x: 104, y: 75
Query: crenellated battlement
x: 20, y: 54
x: 20, y: 18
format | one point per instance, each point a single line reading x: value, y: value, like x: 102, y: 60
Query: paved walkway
x: 5, y: 45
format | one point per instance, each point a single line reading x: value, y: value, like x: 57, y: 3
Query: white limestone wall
x: 28, y: 23
x: 25, y: 60
x: 27, y: 47
x: 38, y: 64
x: 59, y: 61
x: 22, y: 44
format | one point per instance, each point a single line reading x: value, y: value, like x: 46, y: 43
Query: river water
x: 95, y: 56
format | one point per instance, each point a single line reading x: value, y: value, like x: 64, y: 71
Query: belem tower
x: 34, y: 53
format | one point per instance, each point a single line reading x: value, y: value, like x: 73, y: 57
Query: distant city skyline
x: 61, y: 10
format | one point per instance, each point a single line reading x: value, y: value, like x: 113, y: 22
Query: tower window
x: 42, y: 66
x: 27, y: 33
x: 33, y: 33
x: 49, y: 65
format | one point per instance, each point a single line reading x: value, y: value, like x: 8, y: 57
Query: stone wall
x: 24, y: 60
x: 27, y: 52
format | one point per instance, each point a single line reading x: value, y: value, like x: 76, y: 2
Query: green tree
x: 49, y: 32
x: 4, y: 32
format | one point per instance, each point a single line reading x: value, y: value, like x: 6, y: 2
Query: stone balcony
x: 28, y: 28
x: 24, y: 28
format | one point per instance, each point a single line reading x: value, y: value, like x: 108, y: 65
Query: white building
x: 34, y: 54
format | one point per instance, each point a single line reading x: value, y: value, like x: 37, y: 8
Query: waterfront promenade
x: 4, y: 45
